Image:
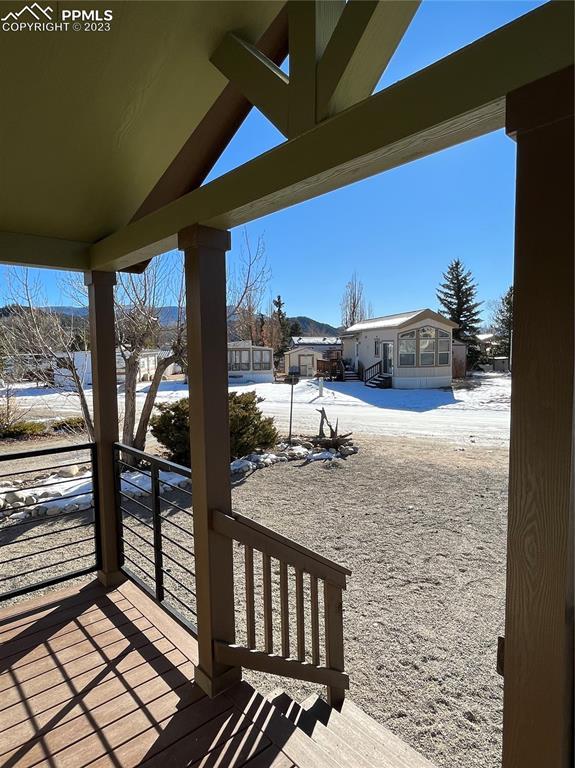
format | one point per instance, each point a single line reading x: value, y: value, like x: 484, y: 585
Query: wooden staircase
x: 349, y: 375
x: 315, y: 735
x: 381, y: 381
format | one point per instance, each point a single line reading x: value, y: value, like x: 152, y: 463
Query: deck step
x: 350, y: 738
x: 381, y: 381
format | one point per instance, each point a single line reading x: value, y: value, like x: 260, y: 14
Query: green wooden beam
x: 260, y: 80
x: 358, y: 52
x: 458, y: 98
x: 35, y: 251
x: 311, y: 25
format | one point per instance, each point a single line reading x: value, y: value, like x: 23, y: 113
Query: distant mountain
x: 169, y: 316
x: 69, y: 311
x: 310, y: 327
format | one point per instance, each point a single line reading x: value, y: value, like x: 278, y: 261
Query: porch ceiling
x: 92, y: 123
x: 91, y: 120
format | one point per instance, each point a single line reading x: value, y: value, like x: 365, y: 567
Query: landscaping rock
x: 70, y: 471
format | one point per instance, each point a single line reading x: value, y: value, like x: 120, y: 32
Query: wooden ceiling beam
x: 258, y: 78
x: 37, y: 251
x: 208, y: 141
x: 458, y: 98
x: 311, y: 25
x: 363, y: 42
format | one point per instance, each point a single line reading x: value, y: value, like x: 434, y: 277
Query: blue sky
x: 398, y: 230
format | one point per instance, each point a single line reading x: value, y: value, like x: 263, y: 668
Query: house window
x: 262, y: 359
x: 238, y: 360
x: 430, y: 345
x: 377, y: 348
x: 427, y: 346
x: 443, y: 342
x: 407, y: 348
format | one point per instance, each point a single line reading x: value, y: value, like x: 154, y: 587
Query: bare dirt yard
x: 421, y: 524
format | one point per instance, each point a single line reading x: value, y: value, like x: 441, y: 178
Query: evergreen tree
x: 283, y: 325
x: 295, y: 328
x: 503, y: 322
x: 457, y: 296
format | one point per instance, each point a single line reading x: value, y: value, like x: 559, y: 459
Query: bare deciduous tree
x: 353, y: 302
x: 39, y: 344
x: 47, y: 343
x: 247, y: 283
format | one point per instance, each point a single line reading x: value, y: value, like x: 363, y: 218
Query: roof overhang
x: 107, y: 153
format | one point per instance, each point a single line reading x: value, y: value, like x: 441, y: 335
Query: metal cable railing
x: 153, y: 501
x: 49, y: 521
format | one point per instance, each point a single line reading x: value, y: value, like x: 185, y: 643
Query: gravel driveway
x: 422, y: 527
x: 421, y: 524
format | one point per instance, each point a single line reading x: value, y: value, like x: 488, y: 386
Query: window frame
x: 262, y: 364
x: 236, y: 363
x: 414, y: 335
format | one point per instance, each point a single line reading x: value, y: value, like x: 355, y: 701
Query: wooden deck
x: 105, y: 678
x: 90, y: 677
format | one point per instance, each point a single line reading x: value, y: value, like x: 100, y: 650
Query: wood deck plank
x: 103, y: 711
x: 209, y: 721
x: 57, y: 615
x: 109, y: 685
x: 81, y: 651
x: 78, y: 674
x: 103, y: 729
x: 61, y: 635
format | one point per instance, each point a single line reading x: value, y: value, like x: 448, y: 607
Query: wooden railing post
x: 205, y: 253
x: 333, y: 609
x: 103, y: 350
x: 538, y: 657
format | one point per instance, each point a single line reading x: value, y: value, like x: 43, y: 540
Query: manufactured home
x: 413, y: 349
x: 246, y: 361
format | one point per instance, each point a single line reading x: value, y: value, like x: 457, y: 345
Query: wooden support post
x: 105, y: 397
x: 205, y: 259
x: 538, y: 668
x: 333, y: 617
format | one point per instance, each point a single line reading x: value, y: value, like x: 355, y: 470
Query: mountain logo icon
x: 35, y: 10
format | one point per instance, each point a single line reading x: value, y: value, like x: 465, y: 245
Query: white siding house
x: 414, y: 348
x: 247, y: 361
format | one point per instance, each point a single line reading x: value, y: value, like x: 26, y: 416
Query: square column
x: 206, y: 311
x: 538, y: 657
x: 104, y: 389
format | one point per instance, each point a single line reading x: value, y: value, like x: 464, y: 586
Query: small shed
x: 304, y: 360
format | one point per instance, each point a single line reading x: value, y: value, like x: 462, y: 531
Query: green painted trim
x: 458, y: 98
x: 36, y: 251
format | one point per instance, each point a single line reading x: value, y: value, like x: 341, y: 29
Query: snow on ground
x: 477, y: 409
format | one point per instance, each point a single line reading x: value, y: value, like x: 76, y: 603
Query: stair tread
x: 293, y: 742
x: 370, y: 742
x: 399, y: 753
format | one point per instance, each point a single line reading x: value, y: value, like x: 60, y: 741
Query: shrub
x: 21, y: 429
x: 249, y: 429
x: 70, y: 424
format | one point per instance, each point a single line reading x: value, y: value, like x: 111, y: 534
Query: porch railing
x: 154, y: 505
x: 371, y: 372
x: 288, y: 614
x: 301, y: 597
x: 49, y: 517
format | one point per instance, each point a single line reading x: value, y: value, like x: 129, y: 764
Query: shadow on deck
x: 106, y: 678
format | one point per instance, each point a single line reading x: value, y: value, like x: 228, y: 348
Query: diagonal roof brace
x: 337, y: 50
x: 259, y: 79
